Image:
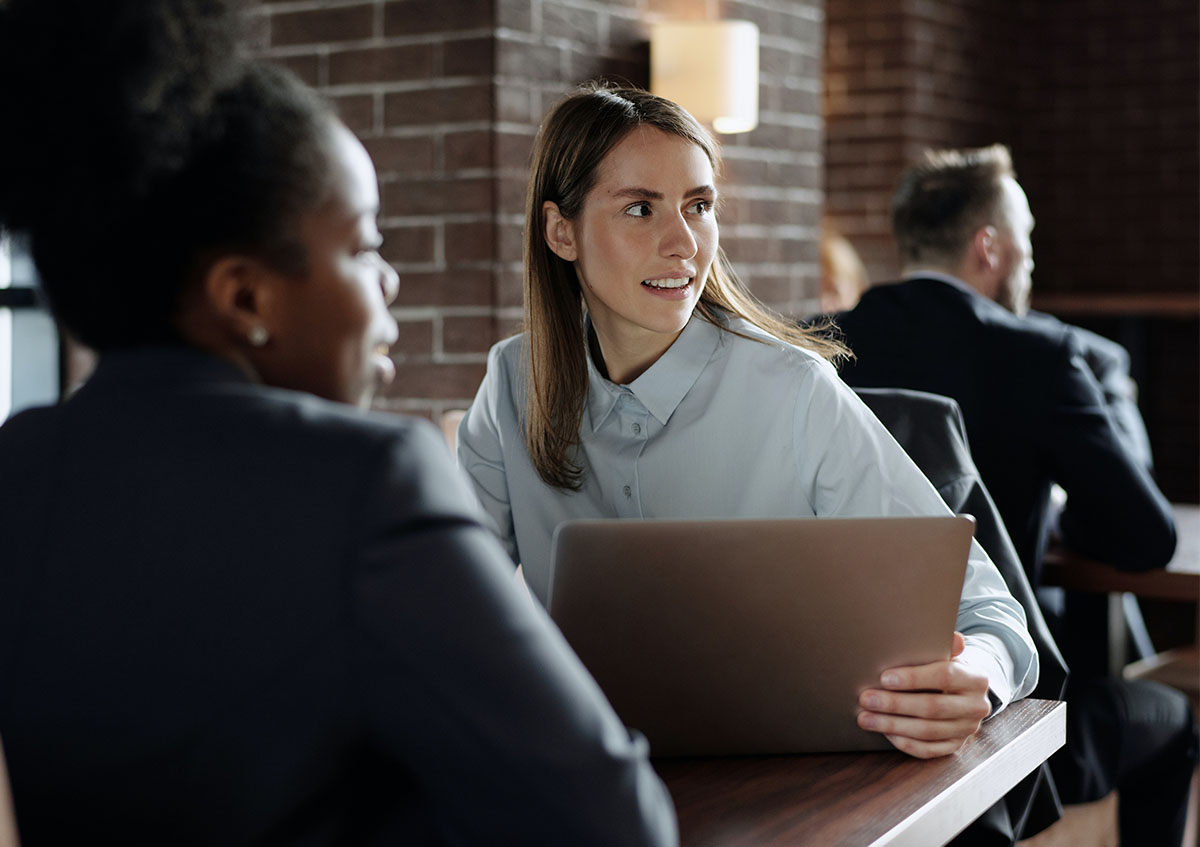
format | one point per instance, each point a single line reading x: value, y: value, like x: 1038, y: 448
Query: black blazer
x: 237, y: 615
x: 930, y: 429
x: 1035, y: 412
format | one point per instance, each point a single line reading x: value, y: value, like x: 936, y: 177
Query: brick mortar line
x: 767, y: 192
x: 409, y: 221
x: 375, y: 41
x: 409, y: 86
x: 413, y: 314
x: 436, y: 131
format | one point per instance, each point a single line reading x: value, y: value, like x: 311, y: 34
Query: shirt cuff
x: 986, y: 654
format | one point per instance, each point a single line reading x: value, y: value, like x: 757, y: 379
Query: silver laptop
x: 731, y: 637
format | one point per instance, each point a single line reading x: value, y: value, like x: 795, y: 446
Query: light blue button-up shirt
x: 723, y: 427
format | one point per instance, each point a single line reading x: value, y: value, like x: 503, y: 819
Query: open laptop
x: 729, y: 637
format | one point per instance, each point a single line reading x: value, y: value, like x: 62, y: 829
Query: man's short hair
x: 940, y: 203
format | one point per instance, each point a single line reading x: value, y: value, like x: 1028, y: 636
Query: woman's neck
x: 621, y: 361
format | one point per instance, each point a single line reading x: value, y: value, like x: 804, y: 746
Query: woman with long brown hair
x: 650, y: 383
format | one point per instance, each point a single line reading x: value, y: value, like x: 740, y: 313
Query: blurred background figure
x: 843, y: 276
x: 1037, y: 413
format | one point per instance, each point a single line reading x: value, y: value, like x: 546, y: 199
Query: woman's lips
x: 385, y: 368
x: 672, y: 288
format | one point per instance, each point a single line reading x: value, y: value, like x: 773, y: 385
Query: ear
x: 984, y: 248
x: 559, y: 232
x: 241, y: 295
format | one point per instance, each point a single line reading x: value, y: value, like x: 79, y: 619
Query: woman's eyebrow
x: 647, y: 194
x: 638, y: 193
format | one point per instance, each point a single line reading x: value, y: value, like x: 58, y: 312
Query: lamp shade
x: 710, y: 68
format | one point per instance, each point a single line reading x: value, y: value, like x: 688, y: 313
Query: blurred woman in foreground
x: 234, y: 609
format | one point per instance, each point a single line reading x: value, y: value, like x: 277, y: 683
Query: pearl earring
x: 259, y: 336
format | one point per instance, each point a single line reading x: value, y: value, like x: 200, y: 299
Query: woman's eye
x: 701, y: 207
x: 638, y: 210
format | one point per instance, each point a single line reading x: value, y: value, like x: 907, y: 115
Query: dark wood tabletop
x: 876, y: 799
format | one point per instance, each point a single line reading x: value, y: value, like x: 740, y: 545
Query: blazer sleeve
x: 469, y: 688
x: 1114, y: 512
x: 1109, y: 364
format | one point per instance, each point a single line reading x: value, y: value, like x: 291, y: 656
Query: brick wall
x: 1108, y: 149
x: 1108, y: 143
x: 1098, y: 101
x: 900, y: 77
x: 447, y: 96
x: 414, y: 80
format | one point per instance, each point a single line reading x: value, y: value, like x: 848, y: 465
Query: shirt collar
x: 942, y: 277
x: 665, y: 383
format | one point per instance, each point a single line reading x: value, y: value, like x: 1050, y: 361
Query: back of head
x: 140, y: 146
x: 942, y: 201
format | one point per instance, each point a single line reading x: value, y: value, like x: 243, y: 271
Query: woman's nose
x: 678, y: 240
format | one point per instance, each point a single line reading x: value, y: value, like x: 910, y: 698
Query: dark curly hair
x: 141, y: 145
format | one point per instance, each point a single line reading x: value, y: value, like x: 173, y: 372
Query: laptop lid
x: 730, y: 637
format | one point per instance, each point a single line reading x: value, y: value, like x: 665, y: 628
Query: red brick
x: 467, y: 150
x: 462, y: 287
x: 530, y: 61
x: 769, y: 288
x: 409, y: 244
x: 438, y: 105
x: 307, y: 67
x: 411, y: 17
x: 322, y: 26
x: 510, y: 242
x: 571, y: 23
x: 469, y: 57
x: 514, y: 104
x: 511, y: 193
x: 401, y: 155
x: 473, y: 334
x: 415, y: 339
x: 381, y: 64
x: 437, y: 381
x: 357, y: 111
x: 514, y: 14
x: 510, y: 287
x: 473, y: 241
x: 436, y: 196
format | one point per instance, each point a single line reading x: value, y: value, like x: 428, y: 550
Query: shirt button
x: 637, y: 429
x: 628, y: 491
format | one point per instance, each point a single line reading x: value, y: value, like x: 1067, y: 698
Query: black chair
x: 930, y: 428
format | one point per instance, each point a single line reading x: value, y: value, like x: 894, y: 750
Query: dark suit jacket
x: 237, y: 615
x: 1034, y: 410
x: 930, y: 429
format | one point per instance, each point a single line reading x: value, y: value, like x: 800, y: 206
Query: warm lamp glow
x: 710, y: 68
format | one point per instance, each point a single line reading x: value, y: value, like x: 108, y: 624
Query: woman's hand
x: 927, y: 710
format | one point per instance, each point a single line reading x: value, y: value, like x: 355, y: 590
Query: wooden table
x: 1180, y: 580
x: 867, y: 799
